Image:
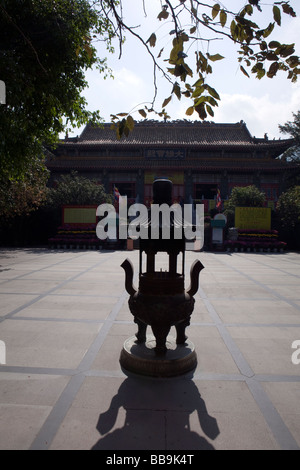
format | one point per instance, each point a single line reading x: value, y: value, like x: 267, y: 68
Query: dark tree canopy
x: 75, y: 189
x: 248, y: 196
x: 292, y: 154
x: 20, y: 197
x: 45, y: 48
x: 288, y: 208
x: 292, y: 128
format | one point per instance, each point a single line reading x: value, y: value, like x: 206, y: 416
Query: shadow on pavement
x: 157, y: 417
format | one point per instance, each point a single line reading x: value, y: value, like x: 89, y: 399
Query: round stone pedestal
x: 141, y: 358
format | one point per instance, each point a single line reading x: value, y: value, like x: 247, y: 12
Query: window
x: 205, y: 190
x: 270, y: 190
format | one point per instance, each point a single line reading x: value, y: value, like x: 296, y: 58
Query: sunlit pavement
x: 64, y: 318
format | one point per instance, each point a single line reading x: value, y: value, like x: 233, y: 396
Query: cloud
x: 262, y: 114
x: 120, y: 94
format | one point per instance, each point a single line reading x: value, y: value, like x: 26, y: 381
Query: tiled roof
x: 180, y: 132
x: 170, y: 133
x: 175, y: 133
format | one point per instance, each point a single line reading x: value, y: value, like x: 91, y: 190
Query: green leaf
x: 263, y: 46
x: 199, y: 82
x: 201, y: 111
x: 187, y: 71
x: 273, y: 70
x: 163, y: 15
x: 268, y: 30
x: 277, y: 15
x: 213, y: 92
x: 190, y: 111
x: 285, y: 50
x: 130, y: 123
x: 215, y: 57
x: 209, y: 110
x: 200, y: 101
x: 177, y: 48
x: 143, y: 113
x: 223, y: 17
x: 118, y: 132
x: 152, y: 40
x: 244, y: 71
x: 176, y: 90
x: 288, y: 10
x: 211, y: 101
x: 274, y: 44
x: 160, y: 53
x: 249, y: 9
x: 271, y: 56
x: 215, y: 10
x: 293, y: 61
x: 172, y: 71
x: 184, y: 37
x: 233, y: 30
x: 260, y: 73
x: 198, y: 91
x: 166, y: 101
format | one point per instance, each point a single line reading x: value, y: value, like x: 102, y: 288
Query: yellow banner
x: 79, y: 215
x: 255, y: 218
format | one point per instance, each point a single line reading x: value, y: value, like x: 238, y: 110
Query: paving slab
x: 64, y: 317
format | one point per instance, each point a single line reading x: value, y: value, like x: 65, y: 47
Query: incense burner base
x: 141, y: 358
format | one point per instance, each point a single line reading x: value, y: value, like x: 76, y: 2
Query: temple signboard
x: 253, y: 218
x: 79, y: 215
x: 164, y: 154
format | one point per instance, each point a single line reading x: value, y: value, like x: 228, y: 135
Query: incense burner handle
x: 128, y: 268
x: 196, y: 267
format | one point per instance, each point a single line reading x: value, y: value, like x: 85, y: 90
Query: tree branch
x: 156, y: 66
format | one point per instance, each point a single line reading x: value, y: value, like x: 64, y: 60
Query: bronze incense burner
x: 161, y: 300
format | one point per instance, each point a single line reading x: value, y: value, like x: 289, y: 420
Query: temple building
x: 199, y: 158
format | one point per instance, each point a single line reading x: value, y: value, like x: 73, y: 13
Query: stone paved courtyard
x: 64, y: 318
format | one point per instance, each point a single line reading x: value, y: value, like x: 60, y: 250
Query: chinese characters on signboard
x: 165, y: 154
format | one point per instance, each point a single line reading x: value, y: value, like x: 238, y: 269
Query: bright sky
x: 262, y: 104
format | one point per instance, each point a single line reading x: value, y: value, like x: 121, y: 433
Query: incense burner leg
x: 141, y: 333
x: 180, y: 330
x: 160, y: 332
